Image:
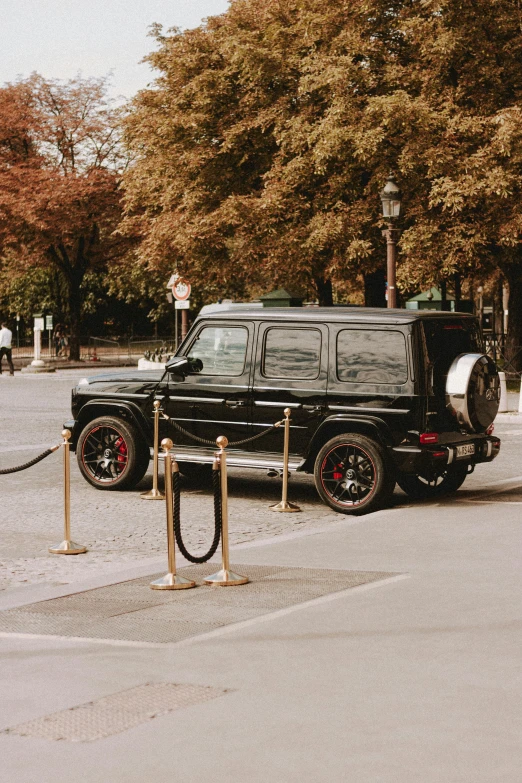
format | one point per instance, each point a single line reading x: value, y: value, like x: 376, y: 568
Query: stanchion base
x: 171, y: 582
x: 284, y: 505
x: 152, y: 494
x: 225, y: 578
x: 67, y: 548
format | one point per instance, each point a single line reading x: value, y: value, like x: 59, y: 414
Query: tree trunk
x: 73, y: 273
x: 74, y: 307
x: 375, y: 289
x: 444, y: 304
x: 513, y: 275
x: 324, y: 291
x: 458, y: 291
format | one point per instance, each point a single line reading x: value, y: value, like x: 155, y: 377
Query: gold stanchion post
x: 155, y: 493
x: 171, y: 580
x: 284, y: 505
x: 67, y: 547
x: 225, y: 577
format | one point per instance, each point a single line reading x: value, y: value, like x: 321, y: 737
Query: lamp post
x: 391, y: 208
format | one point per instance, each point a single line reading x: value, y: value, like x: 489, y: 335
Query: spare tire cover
x: 473, y: 391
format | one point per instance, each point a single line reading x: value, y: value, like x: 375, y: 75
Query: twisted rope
x: 176, y: 492
x: 235, y: 443
x: 30, y: 464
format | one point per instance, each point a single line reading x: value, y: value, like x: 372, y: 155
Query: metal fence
x: 23, y: 348
x: 94, y: 349
x: 506, y: 360
x: 127, y: 350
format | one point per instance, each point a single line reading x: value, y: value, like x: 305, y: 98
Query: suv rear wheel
x: 112, y: 454
x: 438, y: 484
x: 353, y: 475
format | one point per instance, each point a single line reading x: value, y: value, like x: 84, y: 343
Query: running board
x: 236, y: 459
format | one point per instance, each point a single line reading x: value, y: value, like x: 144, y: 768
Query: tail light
x: 490, y: 429
x: 429, y: 437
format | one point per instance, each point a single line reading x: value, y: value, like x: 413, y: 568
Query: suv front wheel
x: 353, y: 475
x: 112, y: 454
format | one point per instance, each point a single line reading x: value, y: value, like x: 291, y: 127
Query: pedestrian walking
x: 57, y: 339
x: 6, y: 338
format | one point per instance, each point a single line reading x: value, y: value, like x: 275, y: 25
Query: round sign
x: 181, y: 290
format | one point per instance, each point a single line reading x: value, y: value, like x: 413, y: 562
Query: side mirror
x: 179, y: 366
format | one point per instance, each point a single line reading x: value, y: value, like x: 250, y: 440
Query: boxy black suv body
x: 376, y: 397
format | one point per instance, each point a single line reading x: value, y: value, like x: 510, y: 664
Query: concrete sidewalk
x: 412, y: 677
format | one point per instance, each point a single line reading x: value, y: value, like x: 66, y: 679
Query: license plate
x: 465, y: 451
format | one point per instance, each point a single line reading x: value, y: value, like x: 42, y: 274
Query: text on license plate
x: 466, y: 450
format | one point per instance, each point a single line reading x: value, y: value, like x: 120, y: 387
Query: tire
x: 112, y: 454
x: 439, y: 484
x: 473, y: 391
x: 353, y: 474
x: 196, y: 473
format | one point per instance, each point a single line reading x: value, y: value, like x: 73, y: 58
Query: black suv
x: 376, y: 397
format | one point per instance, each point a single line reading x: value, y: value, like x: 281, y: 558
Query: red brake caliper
x: 337, y: 475
x: 121, y: 447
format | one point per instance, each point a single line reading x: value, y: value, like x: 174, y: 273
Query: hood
x: 129, y: 376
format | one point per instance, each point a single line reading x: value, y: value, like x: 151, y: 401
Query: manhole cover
x: 115, y: 713
x: 131, y: 611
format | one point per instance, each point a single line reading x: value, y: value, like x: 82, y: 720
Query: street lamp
x: 391, y: 208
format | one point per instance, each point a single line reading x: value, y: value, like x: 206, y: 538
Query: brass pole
x: 67, y: 547
x: 284, y: 505
x: 171, y: 580
x: 225, y: 577
x: 154, y: 493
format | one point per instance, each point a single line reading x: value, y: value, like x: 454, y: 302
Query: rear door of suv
x: 291, y: 369
x: 371, y: 374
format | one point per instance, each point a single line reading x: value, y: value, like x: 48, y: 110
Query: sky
x: 61, y: 38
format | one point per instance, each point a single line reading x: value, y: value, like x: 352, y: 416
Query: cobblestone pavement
x: 117, y: 527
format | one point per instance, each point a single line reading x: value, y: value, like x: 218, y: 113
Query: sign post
x: 49, y: 329
x: 181, y: 289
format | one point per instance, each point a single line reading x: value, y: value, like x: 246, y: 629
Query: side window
x: 365, y: 356
x: 219, y: 350
x: 294, y: 354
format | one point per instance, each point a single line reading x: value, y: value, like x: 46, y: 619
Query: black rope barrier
x: 34, y: 461
x: 235, y: 443
x: 176, y: 499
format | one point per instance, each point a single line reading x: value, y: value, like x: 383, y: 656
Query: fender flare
x: 127, y: 411
x: 334, y: 425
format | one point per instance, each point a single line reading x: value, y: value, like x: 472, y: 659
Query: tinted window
x: 292, y: 353
x: 445, y: 340
x: 365, y: 356
x: 221, y: 350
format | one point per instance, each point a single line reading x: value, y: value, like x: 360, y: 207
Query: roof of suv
x: 343, y: 314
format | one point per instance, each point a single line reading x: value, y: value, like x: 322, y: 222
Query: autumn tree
x: 269, y: 131
x: 247, y: 169
x: 60, y: 170
x: 453, y: 112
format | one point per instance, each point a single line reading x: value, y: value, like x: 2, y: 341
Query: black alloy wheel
x: 353, y: 475
x: 434, y: 485
x: 112, y: 454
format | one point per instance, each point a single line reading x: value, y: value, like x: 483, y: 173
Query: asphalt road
x: 120, y: 529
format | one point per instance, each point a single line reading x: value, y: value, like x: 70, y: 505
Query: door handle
x: 312, y: 408
x: 235, y: 403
